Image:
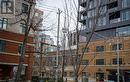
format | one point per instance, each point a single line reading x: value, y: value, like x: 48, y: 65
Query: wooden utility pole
x: 41, y: 58
x: 58, y: 48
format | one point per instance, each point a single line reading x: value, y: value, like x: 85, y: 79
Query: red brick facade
x: 10, y: 55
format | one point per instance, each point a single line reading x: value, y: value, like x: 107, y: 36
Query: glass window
x: 99, y: 48
x: 71, y: 74
x: 114, y: 46
x: 6, y: 7
x: 2, y: 46
x: 24, y: 8
x: 99, y: 61
x: 3, y: 23
x: 20, y: 49
x: 125, y: 3
x: 125, y: 15
x: 84, y: 62
x: 86, y: 50
x: 23, y: 26
x: 102, y: 21
x: 123, y: 31
x: 115, y: 61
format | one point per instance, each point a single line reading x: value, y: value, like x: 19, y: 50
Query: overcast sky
x: 50, y: 8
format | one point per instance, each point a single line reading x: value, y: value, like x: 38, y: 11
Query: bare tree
x: 77, y: 58
x: 29, y: 23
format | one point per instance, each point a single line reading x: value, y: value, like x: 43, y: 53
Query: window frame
x: 6, y: 4
x: 114, y: 46
x: 4, y: 21
x: 100, y: 62
x: 85, y: 62
x: 100, y: 48
x: 25, y: 8
x: 114, y: 61
x: 2, y: 45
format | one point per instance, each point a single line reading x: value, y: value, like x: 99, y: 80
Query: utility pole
x: 59, y: 13
x: 41, y: 53
x: 118, y: 59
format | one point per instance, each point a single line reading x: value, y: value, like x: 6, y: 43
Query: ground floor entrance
x: 124, y: 75
x: 9, y: 72
x: 6, y: 72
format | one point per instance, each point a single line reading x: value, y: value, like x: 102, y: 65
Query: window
x: 100, y: 76
x: 74, y: 42
x: 103, y: 10
x: 23, y: 26
x: 91, y: 13
x: 123, y: 31
x: 114, y: 17
x: 65, y: 74
x: 20, y: 49
x: 99, y: 48
x: 7, y: 7
x: 3, y: 23
x: 92, y: 4
x: 125, y: 15
x: 24, y: 8
x: 84, y: 62
x: 2, y: 46
x: 102, y: 21
x: 125, y: 3
x: 99, y: 61
x: 115, y: 61
x: 114, y: 46
x: 71, y: 74
x: 113, y: 5
x: 86, y: 50
x: 84, y: 74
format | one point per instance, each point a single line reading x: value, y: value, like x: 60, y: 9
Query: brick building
x: 100, y: 61
x: 11, y: 38
x: 10, y: 45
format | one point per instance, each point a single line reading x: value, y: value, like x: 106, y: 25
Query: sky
x: 50, y: 17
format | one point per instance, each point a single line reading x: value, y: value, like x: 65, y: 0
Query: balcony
x: 83, y: 3
x: 83, y: 19
x: 115, y: 20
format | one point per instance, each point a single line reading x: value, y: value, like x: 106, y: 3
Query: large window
x: 99, y: 61
x: 114, y: 17
x: 23, y: 27
x: 24, y: 8
x: 125, y: 15
x: 115, y: 61
x: 20, y: 49
x: 114, y: 46
x: 123, y: 31
x: 2, y: 46
x: 84, y: 62
x: 125, y: 3
x: 102, y: 21
x: 99, y: 48
x: 7, y: 7
x: 3, y: 23
x: 92, y: 3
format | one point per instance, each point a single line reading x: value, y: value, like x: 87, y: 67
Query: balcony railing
x: 115, y: 20
x: 83, y: 1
